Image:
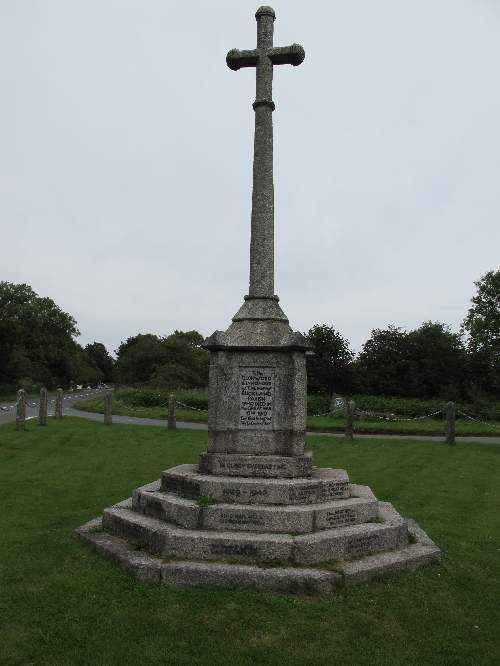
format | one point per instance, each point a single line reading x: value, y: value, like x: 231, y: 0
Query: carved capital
x: 265, y: 11
x: 264, y: 102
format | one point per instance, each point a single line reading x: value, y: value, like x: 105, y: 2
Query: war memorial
x: 256, y: 512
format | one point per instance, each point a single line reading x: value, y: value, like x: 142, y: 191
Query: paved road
x: 132, y: 420
x: 8, y: 409
x: 8, y: 413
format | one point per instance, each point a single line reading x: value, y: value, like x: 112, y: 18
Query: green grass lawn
x: 62, y: 604
x: 319, y: 423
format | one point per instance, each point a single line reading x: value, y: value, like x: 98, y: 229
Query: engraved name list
x: 256, y: 397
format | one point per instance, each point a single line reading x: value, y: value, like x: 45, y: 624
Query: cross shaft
x: 263, y: 58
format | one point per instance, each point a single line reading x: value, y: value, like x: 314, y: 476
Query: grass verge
x: 314, y: 423
x: 62, y: 604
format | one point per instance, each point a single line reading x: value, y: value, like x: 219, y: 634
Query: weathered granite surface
x: 262, y: 466
x: 324, y: 485
x: 42, y: 407
x: 58, y: 407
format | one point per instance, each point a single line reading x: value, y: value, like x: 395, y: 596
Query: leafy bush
x: 411, y: 407
x: 8, y: 389
x: 318, y: 403
x: 146, y: 397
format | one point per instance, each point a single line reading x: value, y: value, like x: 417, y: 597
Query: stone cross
x: 42, y: 407
x: 263, y: 58
x: 58, y: 409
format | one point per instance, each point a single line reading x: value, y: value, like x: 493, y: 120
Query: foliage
x: 37, y: 345
x: 96, y: 406
x: 144, y: 397
x: 329, y: 368
x: 63, y: 603
x: 98, y: 357
x: 36, y: 338
x: 174, y: 361
x: 407, y: 407
x: 428, y: 362
x: 482, y: 327
x: 318, y: 403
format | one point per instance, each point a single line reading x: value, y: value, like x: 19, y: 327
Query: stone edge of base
x: 150, y: 569
x: 422, y: 551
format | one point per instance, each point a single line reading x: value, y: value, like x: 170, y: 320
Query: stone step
x: 268, y: 467
x: 347, y: 543
x: 152, y: 569
x: 161, y: 538
x: 374, y: 566
x: 324, y: 485
x: 297, y: 519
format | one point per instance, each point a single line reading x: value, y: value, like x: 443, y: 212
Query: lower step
x: 151, y: 569
x: 161, y: 538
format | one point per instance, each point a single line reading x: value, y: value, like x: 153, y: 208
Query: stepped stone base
x: 312, y: 534
x: 306, y: 580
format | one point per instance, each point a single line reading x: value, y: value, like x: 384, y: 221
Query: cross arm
x: 287, y: 55
x: 237, y: 59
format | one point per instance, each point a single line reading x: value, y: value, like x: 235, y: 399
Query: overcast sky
x: 126, y: 160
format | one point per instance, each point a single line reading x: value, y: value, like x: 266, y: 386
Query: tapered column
x: 262, y: 225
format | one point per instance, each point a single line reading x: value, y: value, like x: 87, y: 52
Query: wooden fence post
x: 59, y: 404
x: 42, y: 407
x: 108, y: 408
x: 172, y: 416
x: 21, y: 410
x: 450, y: 422
x: 350, y: 407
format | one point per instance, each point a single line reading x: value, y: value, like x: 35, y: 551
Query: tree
x: 329, y: 368
x: 481, y: 327
x: 437, y: 363
x: 186, y: 364
x: 85, y: 371
x: 427, y: 362
x: 36, y: 338
x: 98, y: 356
x: 174, y: 361
x: 382, y: 365
x: 138, y: 358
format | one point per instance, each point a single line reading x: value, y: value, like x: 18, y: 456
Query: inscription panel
x: 340, y: 517
x: 363, y: 545
x: 329, y: 491
x: 256, y: 398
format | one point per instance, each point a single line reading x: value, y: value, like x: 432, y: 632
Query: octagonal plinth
x: 257, y: 384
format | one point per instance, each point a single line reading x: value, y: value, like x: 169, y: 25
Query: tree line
x: 38, y: 347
